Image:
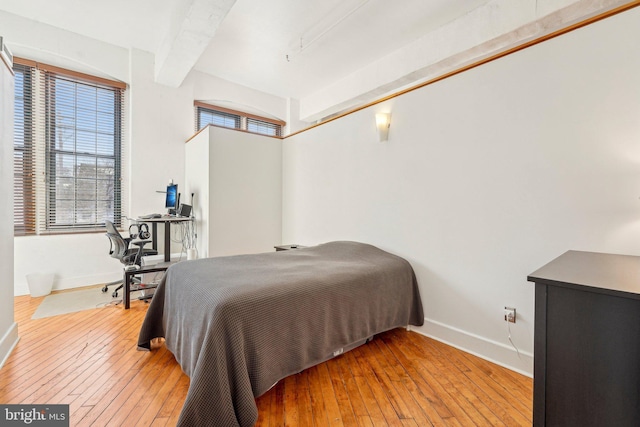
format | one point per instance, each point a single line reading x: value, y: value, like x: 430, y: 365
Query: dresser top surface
x: 608, y: 273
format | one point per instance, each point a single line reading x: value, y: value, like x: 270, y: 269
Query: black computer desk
x: 167, y: 220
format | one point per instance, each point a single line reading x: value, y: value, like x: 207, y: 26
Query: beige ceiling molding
x: 497, y: 27
x: 530, y: 41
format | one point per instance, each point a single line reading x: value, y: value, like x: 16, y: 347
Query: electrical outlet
x: 510, y: 314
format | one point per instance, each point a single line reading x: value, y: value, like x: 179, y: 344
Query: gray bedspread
x: 238, y: 324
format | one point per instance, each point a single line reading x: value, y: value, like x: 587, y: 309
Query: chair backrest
x: 119, y: 245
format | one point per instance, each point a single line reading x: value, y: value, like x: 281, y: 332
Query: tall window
x: 77, y: 145
x: 219, y: 116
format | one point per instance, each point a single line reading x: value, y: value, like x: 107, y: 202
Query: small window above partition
x: 206, y: 114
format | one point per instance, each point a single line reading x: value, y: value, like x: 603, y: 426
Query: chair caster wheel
x: 105, y: 289
x: 115, y: 294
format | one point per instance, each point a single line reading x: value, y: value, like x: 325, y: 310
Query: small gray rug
x: 70, y: 302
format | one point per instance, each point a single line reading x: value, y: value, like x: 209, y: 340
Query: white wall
x: 486, y: 176
x: 8, y: 327
x: 197, y: 180
x: 245, y: 202
x: 41, y: 42
x: 161, y: 119
x: 238, y: 176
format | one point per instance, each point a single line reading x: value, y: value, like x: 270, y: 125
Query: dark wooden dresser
x: 587, y: 341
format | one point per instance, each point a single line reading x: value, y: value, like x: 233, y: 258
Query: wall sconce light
x: 383, y: 121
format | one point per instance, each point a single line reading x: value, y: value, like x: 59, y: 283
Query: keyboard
x: 150, y: 216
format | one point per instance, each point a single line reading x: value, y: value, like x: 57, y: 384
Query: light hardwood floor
x: 89, y: 361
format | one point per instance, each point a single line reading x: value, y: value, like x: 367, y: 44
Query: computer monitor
x: 171, y: 202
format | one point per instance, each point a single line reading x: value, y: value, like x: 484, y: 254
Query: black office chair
x: 121, y: 250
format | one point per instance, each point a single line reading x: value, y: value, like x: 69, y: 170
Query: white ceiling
x: 324, y: 39
x: 329, y: 55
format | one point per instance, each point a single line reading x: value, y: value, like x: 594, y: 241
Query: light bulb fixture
x: 383, y: 121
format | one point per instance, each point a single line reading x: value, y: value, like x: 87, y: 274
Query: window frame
x: 243, y: 120
x: 52, y: 152
x: 46, y: 150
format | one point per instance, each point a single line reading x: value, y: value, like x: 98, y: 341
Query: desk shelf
x: 129, y: 287
x: 142, y: 287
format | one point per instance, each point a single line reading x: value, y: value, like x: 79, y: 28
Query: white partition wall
x: 8, y: 327
x: 197, y: 181
x: 486, y: 176
x: 236, y: 178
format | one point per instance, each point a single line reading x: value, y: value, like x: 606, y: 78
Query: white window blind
x: 24, y: 218
x: 77, y: 152
x: 218, y: 116
x: 264, y: 128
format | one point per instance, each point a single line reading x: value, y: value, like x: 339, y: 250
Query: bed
x: 238, y: 324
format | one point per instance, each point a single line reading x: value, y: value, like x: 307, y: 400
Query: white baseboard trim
x: 8, y: 343
x: 72, y: 282
x: 492, y: 351
x: 61, y: 283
